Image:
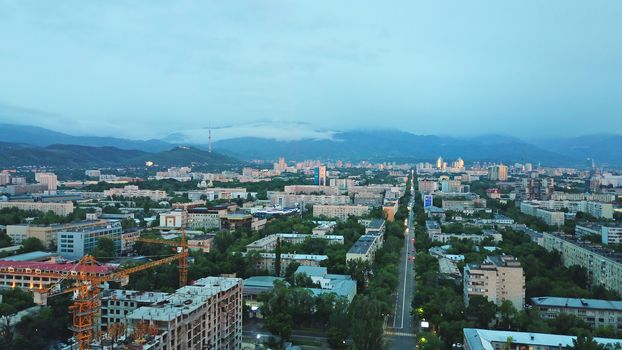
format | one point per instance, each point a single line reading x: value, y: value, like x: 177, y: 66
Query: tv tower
x: 209, y: 141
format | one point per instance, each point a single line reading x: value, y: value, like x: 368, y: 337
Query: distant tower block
x: 209, y: 141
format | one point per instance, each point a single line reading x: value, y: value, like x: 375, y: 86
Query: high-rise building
x: 498, y: 173
x: 439, y: 163
x: 498, y: 278
x: 319, y: 175
x: 205, y: 315
x: 48, y: 179
x: 5, y: 178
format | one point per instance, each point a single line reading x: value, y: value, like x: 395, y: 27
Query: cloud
x: 282, y: 131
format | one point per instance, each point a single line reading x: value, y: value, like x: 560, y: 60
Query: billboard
x: 427, y: 201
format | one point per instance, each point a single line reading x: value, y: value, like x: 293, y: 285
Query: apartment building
x: 445, y: 237
x: 549, y: 216
x: 498, y: 173
x: 595, y: 312
x: 432, y: 227
x: 498, y: 278
x: 365, y: 247
x: 205, y: 315
x: 133, y: 191
x: 268, y: 259
x: 47, y: 233
x: 48, y: 179
x: 312, y: 189
x: 427, y: 186
x: 268, y: 243
x: 591, y: 197
x: 463, y: 205
x: 603, y: 266
x: 486, y: 339
x: 597, y: 209
x: 341, y: 212
x: 61, y: 209
x: 288, y: 200
x: 74, y: 245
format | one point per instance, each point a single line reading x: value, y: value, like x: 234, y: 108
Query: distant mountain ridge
x: 12, y: 155
x: 42, y: 137
x: 372, y: 145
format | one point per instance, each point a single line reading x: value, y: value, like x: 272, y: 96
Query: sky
x: 295, y: 69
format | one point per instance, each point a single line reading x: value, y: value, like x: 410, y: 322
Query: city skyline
x: 141, y: 71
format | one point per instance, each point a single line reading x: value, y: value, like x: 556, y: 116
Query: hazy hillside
x: 12, y: 155
x: 44, y: 137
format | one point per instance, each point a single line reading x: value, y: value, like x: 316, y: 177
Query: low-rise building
x: 133, y: 191
x: 446, y: 237
x: 268, y: 260
x: 432, y: 227
x: 268, y: 243
x: 485, y: 339
x: 74, y: 245
x: 341, y: 285
x: 498, y: 278
x: 365, y: 248
x: 595, y: 312
x: 324, y: 227
x: 47, y: 233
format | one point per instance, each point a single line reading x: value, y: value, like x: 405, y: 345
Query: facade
x: 498, y: 173
x: 74, y: 245
x: 427, y: 186
x: 205, y: 315
x: 174, y: 219
x: 611, y: 234
x: 550, y: 217
x: 268, y: 259
x: 498, y: 278
x: 595, y: 312
x: 61, y: 209
x: 47, y: 233
x: 597, y: 209
x: 485, y: 339
x: 587, y: 229
x: 341, y: 212
x: 603, y: 266
x: 201, y: 217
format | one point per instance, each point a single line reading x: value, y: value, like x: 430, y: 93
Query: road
x: 399, y: 328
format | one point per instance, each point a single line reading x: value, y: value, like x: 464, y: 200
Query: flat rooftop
x: 482, y: 339
x: 595, y: 248
x: 577, y: 303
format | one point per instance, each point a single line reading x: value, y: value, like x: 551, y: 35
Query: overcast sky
x: 152, y: 68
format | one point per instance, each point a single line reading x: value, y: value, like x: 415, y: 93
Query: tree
x: 6, y: 329
x: 104, y: 248
x: 507, y: 314
x: 585, y: 341
x: 31, y: 244
x: 115, y: 331
x: 482, y: 310
x: 277, y: 257
x: 367, y: 321
x: 338, y: 324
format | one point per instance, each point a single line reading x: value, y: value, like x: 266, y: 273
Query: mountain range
x: 29, y: 145
x: 14, y: 154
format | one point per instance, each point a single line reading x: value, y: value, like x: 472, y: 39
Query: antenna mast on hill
x: 209, y: 140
